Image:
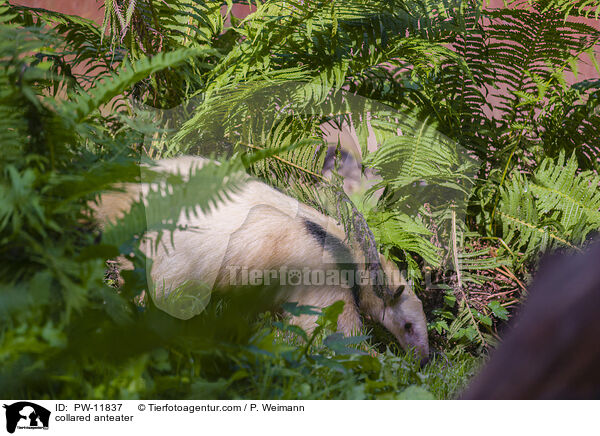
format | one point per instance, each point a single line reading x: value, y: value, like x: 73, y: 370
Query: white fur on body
x: 259, y: 228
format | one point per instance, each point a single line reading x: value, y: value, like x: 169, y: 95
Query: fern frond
x: 161, y: 207
x: 404, y: 232
x: 576, y: 197
x: 420, y: 154
x: 529, y: 46
x: 556, y: 206
x: 85, y: 103
x: 571, y: 8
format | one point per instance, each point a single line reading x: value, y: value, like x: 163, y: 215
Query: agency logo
x: 26, y: 415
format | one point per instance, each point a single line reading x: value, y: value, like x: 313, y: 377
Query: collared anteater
x: 259, y: 230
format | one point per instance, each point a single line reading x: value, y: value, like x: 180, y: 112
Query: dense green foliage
x: 496, y: 164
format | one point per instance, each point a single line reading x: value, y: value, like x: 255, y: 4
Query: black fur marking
x: 340, y: 252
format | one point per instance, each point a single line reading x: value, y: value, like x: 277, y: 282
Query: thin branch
x: 287, y: 162
x: 459, y: 277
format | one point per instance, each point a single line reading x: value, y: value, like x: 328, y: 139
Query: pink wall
x: 93, y: 9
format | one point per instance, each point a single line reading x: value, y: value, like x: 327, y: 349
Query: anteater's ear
x: 399, y: 291
x: 395, y: 295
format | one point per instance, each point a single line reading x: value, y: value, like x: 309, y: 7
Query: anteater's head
x: 402, y: 314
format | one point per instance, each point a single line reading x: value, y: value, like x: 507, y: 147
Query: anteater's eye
x: 408, y: 327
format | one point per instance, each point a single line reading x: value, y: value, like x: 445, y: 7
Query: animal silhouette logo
x: 26, y: 415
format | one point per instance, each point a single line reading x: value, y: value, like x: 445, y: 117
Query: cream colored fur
x: 262, y: 229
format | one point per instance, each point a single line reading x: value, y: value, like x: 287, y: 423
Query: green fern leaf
x: 86, y: 103
x: 555, y: 206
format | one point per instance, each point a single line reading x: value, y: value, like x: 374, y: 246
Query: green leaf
x: 85, y: 103
x: 338, y: 343
x: 330, y: 315
x: 498, y: 311
x: 415, y: 393
x: 296, y: 310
